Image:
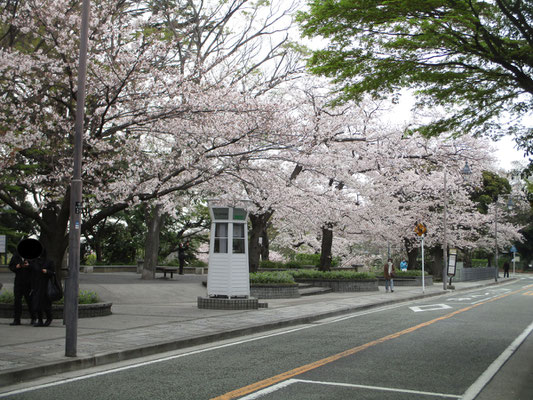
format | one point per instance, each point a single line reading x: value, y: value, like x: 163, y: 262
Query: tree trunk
x: 412, y: 254
x: 437, y: 265
x: 154, y: 221
x: 265, y: 245
x: 53, y: 234
x: 259, y: 224
x: 467, y: 258
x: 325, y: 250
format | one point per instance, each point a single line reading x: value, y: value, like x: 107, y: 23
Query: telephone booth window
x: 238, y: 239
x: 221, y: 237
x: 221, y: 213
x: 239, y: 214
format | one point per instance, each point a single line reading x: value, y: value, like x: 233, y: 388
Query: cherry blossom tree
x: 152, y: 127
x: 367, y: 180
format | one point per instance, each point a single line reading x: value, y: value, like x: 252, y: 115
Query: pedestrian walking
x: 506, y: 267
x: 42, y: 270
x: 21, y: 288
x: 388, y: 273
x: 181, y: 255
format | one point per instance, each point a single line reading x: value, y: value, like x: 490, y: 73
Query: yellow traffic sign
x: 420, y: 229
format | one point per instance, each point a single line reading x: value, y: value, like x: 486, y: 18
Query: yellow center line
x: 308, y: 367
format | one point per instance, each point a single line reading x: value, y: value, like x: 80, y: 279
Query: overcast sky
x: 506, y: 153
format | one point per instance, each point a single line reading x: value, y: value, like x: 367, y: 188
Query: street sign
x: 513, y: 249
x: 452, y: 259
x: 420, y: 229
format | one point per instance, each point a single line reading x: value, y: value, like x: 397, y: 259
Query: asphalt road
x: 431, y: 349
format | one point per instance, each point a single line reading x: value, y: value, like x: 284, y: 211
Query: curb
x: 77, y: 363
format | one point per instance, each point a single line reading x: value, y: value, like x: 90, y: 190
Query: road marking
x: 190, y: 353
x: 246, y: 390
x: 485, y: 296
x: 460, y: 299
x: 430, y: 307
x: 489, y: 373
x: 289, y: 382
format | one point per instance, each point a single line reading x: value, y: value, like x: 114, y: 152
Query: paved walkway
x: 162, y: 315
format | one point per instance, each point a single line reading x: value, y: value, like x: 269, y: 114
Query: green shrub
x: 306, y: 259
x: 266, y: 278
x: 337, y: 275
x: 85, y: 297
x: 88, y: 297
x: 90, y: 259
x: 479, y: 263
x: 293, y: 265
x: 7, y: 297
x: 271, y: 264
x: 197, y: 263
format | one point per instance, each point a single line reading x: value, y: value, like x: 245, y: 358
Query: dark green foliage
x: 15, y: 226
x: 306, y: 259
x: 471, y: 56
x: 493, y: 186
x: 271, y: 264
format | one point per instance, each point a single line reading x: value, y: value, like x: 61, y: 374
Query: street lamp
x: 496, y: 251
x: 465, y: 172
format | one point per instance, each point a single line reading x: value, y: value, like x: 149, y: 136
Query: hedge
x: 332, y: 275
x: 279, y: 278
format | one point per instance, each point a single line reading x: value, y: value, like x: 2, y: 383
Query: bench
x: 164, y: 270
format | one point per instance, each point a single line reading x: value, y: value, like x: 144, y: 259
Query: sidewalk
x: 162, y: 315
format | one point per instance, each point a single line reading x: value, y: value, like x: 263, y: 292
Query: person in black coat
x: 41, y: 272
x: 21, y: 287
x: 181, y: 255
x: 506, y: 267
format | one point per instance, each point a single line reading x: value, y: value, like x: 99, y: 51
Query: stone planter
x: 344, y: 285
x: 274, y: 291
x: 409, y: 281
x: 84, y: 310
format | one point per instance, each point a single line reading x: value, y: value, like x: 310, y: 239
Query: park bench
x: 166, y: 270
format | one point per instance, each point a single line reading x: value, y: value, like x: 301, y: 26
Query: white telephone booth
x: 228, y: 274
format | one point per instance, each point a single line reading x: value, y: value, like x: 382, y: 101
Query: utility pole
x: 72, y: 282
x: 445, y: 238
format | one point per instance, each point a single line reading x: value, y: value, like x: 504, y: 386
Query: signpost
x: 452, y: 264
